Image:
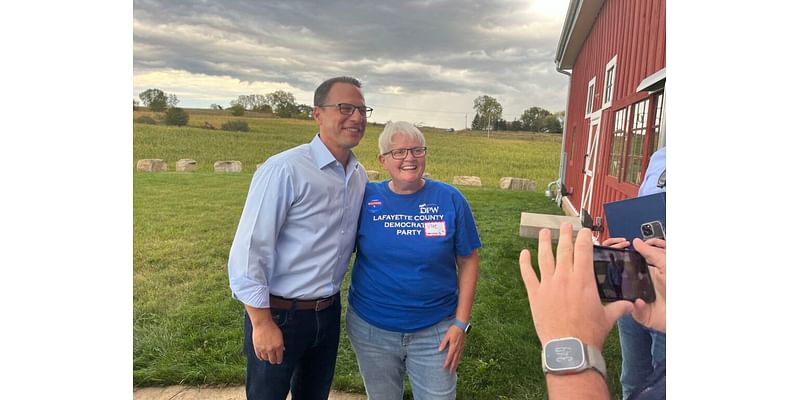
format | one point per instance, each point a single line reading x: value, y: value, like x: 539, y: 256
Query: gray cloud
x: 496, y: 47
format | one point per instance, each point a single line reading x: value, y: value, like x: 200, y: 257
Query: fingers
x: 565, y: 248
x: 655, y: 242
x: 547, y: 263
x: 617, y: 309
x: 641, y: 312
x: 654, y: 256
x: 528, y: 275
x: 454, y: 343
x: 584, y: 255
x: 617, y: 243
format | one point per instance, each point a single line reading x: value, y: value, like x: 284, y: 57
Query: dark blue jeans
x: 311, y: 339
x: 643, y: 349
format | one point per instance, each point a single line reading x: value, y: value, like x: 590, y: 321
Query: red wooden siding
x: 634, y: 31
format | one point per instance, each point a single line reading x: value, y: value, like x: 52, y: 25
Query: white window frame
x: 590, y: 88
x: 608, y: 96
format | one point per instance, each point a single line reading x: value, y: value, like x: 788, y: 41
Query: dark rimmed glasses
x: 400, y: 154
x: 349, y: 109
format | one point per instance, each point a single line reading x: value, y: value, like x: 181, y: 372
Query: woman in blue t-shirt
x: 414, y: 277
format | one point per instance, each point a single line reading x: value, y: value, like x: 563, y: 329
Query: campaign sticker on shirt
x: 435, y: 229
x: 374, y: 203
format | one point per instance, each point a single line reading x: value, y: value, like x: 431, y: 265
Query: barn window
x: 608, y: 84
x: 590, y: 97
x: 634, y: 153
x: 617, y: 143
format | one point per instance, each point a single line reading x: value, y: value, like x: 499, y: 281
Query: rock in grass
x: 467, y: 180
x: 373, y: 175
x: 186, y: 165
x: 510, y: 183
x: 228, y: 166
x: 151, y: 165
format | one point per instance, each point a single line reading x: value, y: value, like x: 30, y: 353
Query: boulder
x: 467, y: 180
x: 510, y: 183
x: 186, y: 165
x: 228, y: 166
x: 151, y: 165
x: 373, y: 175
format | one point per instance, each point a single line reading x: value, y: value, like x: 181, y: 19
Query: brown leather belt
x: 280, y: 303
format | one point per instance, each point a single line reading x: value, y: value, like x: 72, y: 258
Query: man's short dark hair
x: 321, y: 94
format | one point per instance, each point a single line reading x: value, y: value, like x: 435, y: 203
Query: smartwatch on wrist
x: 464, y: 326
x: 569, y: 355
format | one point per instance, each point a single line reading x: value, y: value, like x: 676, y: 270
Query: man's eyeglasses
x: 400, y: 154
x: 349, y: 109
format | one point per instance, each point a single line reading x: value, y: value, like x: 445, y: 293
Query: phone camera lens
x: 647, y: 229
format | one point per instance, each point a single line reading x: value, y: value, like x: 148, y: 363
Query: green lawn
x: 188, y: 329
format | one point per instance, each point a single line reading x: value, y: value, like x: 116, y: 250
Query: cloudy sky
x: 421, y: 61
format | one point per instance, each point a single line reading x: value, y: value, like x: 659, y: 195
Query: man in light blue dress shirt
x: 292, y: 249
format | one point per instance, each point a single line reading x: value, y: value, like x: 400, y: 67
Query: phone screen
x: 622, y: 275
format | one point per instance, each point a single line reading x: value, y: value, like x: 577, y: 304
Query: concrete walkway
x: 181, y: 392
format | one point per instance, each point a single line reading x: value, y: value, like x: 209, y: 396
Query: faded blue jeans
x: 384, y: 357
x: 643, y: 349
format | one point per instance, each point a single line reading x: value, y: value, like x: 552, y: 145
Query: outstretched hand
x: 566, y: 302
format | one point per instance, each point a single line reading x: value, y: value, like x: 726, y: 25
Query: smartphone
x: 622, y: 275
x: 653, y: 229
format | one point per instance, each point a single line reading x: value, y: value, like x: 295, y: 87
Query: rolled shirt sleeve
x: 253, y: 253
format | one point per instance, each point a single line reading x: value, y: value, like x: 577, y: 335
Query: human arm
x: 467, y: 280
x: 653, y: 315
x: 565, y: 303
x: 252, y: 256
x: 267, y: 337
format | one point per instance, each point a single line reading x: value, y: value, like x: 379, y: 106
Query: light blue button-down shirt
x: 658, y: 164
x: 298, y: 227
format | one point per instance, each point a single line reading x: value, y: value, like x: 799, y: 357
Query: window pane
x: 635, y: 151
x: 617, y: 142
x: 656, y: 125
x: 609, y: 85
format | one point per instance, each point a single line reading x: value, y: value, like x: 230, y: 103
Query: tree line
x: 488, y: 111
x: 489, y: 116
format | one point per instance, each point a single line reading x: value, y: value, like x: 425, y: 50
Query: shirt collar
x: 323, y: 157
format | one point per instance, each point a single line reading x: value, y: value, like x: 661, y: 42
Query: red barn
x: 615, y: 55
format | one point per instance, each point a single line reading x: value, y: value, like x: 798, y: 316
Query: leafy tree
x: 157, y: 100
x: 533, y: 119
x: 237, y: 110
x: 265, y: 108
x: 487, y: 111
x: 304, y: 111
x: 251, y: 101
x: 552, y: 124
x: 176, y: 116
x: 516, y: 125
x: 283, y: 103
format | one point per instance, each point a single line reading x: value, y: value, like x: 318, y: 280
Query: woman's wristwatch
x: 464, y: 326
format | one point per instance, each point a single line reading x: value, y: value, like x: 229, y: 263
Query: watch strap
x: 594, y: 359
x: 464, y: 326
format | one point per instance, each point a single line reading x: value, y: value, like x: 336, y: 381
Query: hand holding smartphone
x: 622, y: 275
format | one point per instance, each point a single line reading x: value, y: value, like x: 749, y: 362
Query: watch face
x: 564, y: 355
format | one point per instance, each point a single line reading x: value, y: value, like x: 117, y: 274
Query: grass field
x: 188, y: 329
